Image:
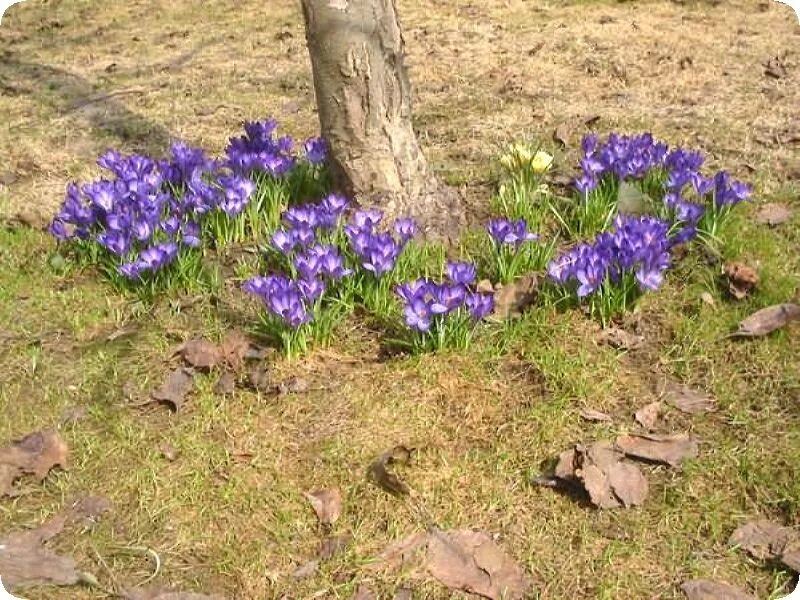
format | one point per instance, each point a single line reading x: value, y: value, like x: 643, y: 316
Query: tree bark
x: 364, y: 102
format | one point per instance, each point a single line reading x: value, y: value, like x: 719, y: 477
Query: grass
x: 228, y: 515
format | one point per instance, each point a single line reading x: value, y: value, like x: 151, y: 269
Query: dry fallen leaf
x: 327, y: 504
x: 628, y: 484
x: 687, y: 400
x: 26, y: 562
x: 465, y: 560
x: 589, y: 414
x: 599, y: 469
x: 767, y: 320
x: 168, y: 451
x: 561, y: 135
x: 668, y: 449
x: 773, y: 214
x: 234, y: 349
x: 766, y: 540
x: 471, y: 561
x: 741, y: 279
x: 775, y: 68
x: 226, y: 384
x: 306, y: 570
x: 260, y: 378
x: 201, y: 354
x: 403, y: 594
x: 703, y: 589
x: 379, y: 470
x: 35, y: 454
x: 174, y: 389
x: 647, y: 416
x: 512, y: 299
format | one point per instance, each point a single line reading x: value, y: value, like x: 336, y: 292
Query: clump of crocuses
x: 673, y: 178
x: 514, y: 249
x: 148, y: 214
x: 444, y: 314
x: 617, y: 267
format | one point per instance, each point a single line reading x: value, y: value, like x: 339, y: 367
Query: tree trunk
x: 364, y: 102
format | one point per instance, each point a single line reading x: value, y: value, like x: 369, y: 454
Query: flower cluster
x: 378, y: 251
x: 510, y: 233
x: 259, y: 150
x: 638, y: 246
x: 427, y: 301
x: 149, y: 209
x: 636, y: 157
x: 303, y: 223
x: 522, y: 158
x: 284, y: 298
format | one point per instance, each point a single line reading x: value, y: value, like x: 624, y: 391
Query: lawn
x: 216, y: 489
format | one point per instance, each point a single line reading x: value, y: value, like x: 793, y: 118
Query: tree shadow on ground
x: 71, y: 96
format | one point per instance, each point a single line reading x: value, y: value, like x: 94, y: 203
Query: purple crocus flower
x: 411, y: 290
x: 308, y: 265
x: 316, y: 150
x: 331, y: 262
x: 311, y: 289
x: 59, y: 230
x: 479, y: 305
x: 171, y: 225
x: 590, y: 275
x: 585, y: 184
x: 461, y: 272
x: 367, y: 219
x: 114, y: 241
x: 405, y: 228
x: 448, y: 298
x: 190, y: 234
x: 689, y: 212
x: 284, y: 241
x: 418, y: 315
x: 287, y: 304
x: 131, y: 270
x: 305, y: 216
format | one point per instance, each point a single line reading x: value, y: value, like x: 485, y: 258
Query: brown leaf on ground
x: 160, y: 594
x: 200, y: 354
x: 226, y: 384
x: 306, y: 570
x: 379, y: 470
x: 293, y: 385
x: 773, y: 214
x: 647, y: 416
x: 628, y: 484
x: 260, y: 378
x: 234, y: 349
x: 471, y: 561
x: 667, y: 449
x: 775, y: 68
x: 403, y: 594
x: 26, y: 562
x: 561, y: 135
x: 766, y: 540
x: 687, y: 400
x: 327, y: 504
x: 35, y: 454
x: 401, y: 552
x: 704, y: 589
x: 589, y: 414
x: 512, y: 299
x: 741, y: 279
x: 619, y: 339
x: 485, y: 287
x: 174, y: 389
x: 767, y: 320
x: 600, y: 470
